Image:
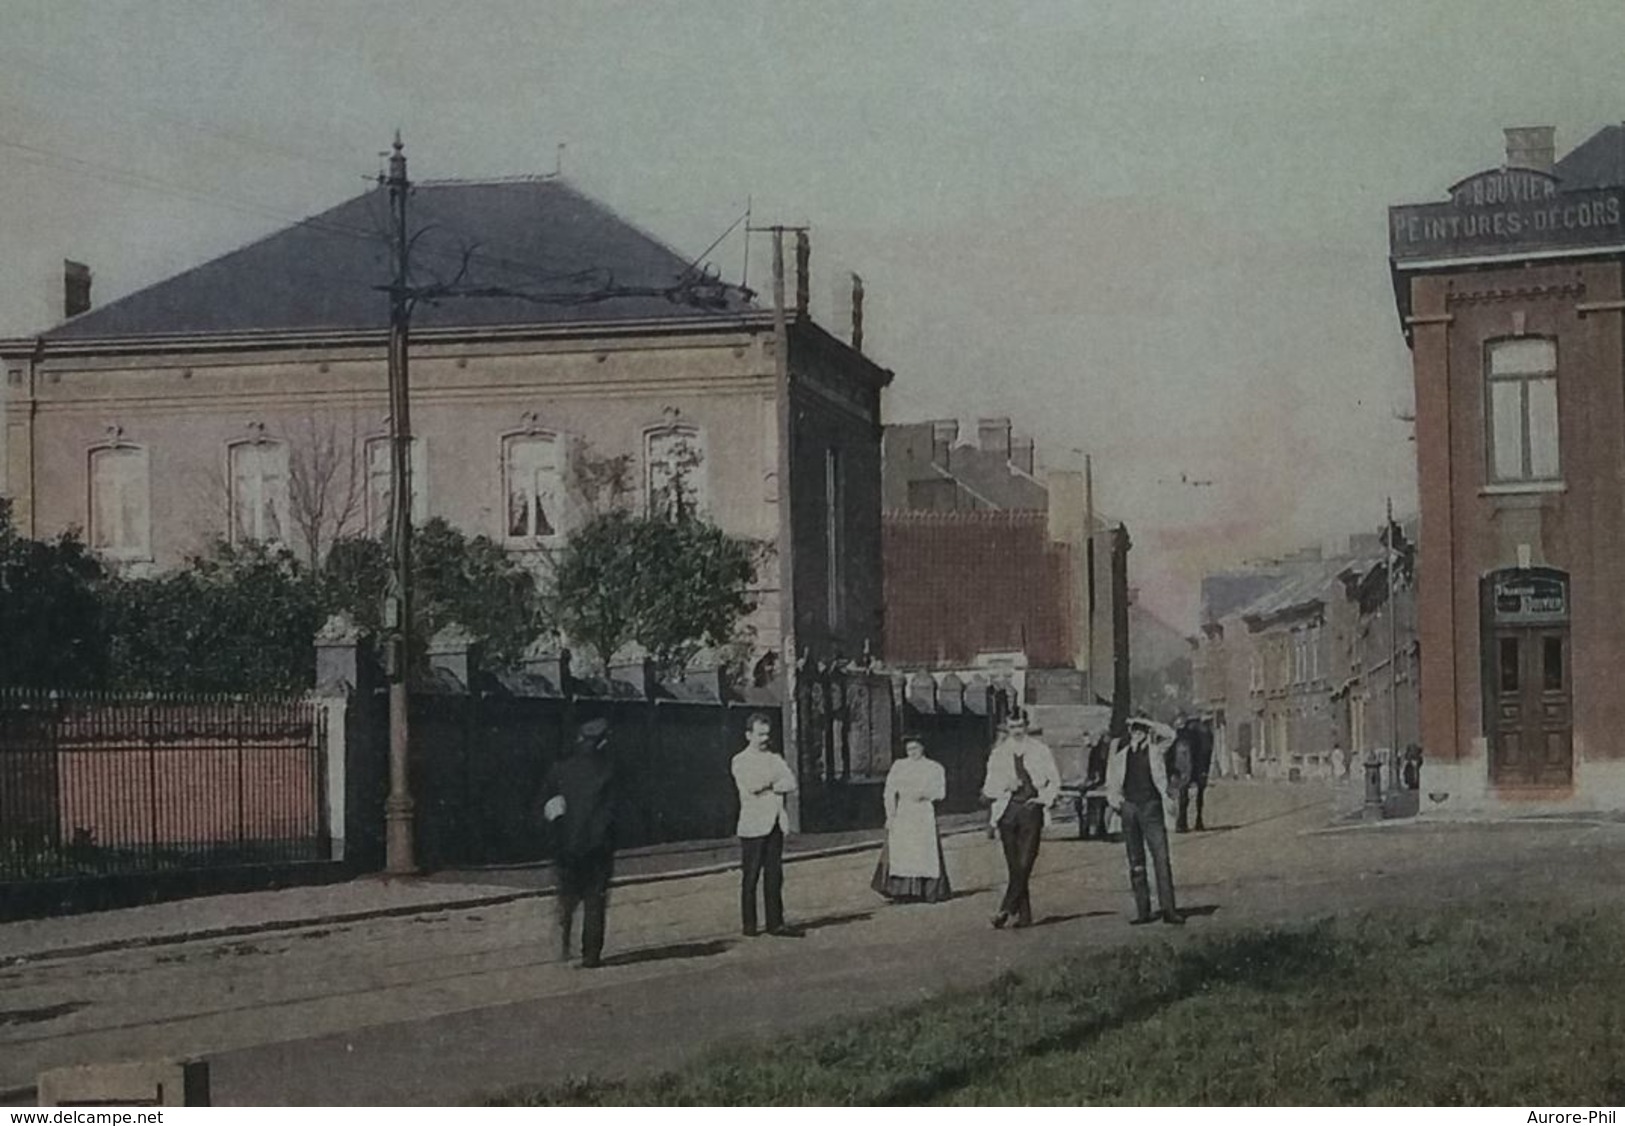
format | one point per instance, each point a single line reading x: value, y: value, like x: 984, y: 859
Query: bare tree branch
x: 326, y: 483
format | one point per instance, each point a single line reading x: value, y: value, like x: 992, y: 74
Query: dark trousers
x: 1020, y: 830
x: 762, y: 858
x: 584, y: 882
x: 1144, y: 828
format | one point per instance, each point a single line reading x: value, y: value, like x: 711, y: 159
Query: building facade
x: 1293, y: 664
x: 990, y: 563
x: 1510, y: 298
x: 247, y: 400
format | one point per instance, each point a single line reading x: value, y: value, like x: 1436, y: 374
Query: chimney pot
x: 857, y: 314
x: 1021, y: 454
x: 993, y: 436
x: 1531, y: 146
x: 944, y: 433
x: 803, y: 273
x: 75, y: 288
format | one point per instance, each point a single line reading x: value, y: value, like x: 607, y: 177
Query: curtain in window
x: 534, y: 486
x: 119, y: 516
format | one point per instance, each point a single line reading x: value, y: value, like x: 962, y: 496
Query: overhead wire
x: 119, y: 102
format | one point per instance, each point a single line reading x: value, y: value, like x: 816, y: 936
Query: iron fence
x: 102, y: 785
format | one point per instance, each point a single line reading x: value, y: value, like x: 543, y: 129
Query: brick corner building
x: 1509, y: 293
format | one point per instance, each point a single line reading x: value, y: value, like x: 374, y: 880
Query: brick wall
x: 962, y: 583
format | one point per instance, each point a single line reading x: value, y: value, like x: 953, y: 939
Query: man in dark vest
x: 1137, y: 788
x: 579, y: 803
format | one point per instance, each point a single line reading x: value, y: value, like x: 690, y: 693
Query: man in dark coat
x: 579, y: 802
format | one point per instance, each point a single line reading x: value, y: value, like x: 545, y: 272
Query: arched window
x: 533, y: 485
x: 380, y: 489
x: 675, y: 479
x: 259, y: 491
x: 1521, y: 410
x: 120, y: 505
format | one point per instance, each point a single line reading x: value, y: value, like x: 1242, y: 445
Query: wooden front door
x: 1533, y: 735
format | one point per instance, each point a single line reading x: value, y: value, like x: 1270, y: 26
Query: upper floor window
x: 533, y: 482
x: 259, y: 491
x: 675, y: 477
x: 1522, y: 410
x: 380, y: 489
x: 120, y: 508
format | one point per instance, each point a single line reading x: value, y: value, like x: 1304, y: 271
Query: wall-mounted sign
x: 1506, y: 211
x: 1529, y: 597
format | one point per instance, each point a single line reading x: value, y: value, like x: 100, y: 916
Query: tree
x: 236, y: 619
x: 594, y: 582
x: 51, y: 622
x: 326, y: 485
x: 673, y: 586
x: 469, y: 581
x: 322, y: 498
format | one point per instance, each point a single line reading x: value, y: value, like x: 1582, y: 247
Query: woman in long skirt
x: 911, y: 867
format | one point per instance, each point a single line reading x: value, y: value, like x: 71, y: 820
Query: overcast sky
x: 1152, y: 231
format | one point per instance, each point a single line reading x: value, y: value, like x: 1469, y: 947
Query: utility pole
x: 1392, y: 565
x: 1121, y: 686
x: 790, y: 726
x: 1090, y: 601
x: 399, y: 858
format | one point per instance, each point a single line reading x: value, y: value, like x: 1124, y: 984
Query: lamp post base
x: 398, y: 818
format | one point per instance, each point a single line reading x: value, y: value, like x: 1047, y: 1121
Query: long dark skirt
x: 912, y: 889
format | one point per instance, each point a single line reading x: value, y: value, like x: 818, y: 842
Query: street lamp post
x: 399, y: 853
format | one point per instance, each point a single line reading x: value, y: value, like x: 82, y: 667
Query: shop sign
x: 1523, y: 597
x: 1507, y: 210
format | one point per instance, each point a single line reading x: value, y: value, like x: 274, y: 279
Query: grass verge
x: 1509, y: 1004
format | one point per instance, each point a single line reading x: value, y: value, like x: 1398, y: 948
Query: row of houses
x: 1304, y: 667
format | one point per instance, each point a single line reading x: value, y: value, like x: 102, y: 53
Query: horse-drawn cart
x: 1078, y: 734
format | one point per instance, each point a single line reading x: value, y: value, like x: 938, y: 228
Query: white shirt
x: 1002, y: 779
x: 763, y: 779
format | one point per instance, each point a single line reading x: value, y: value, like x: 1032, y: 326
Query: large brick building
x: 215, y: 403
x: 1510, y: 295
x: 991, y: 563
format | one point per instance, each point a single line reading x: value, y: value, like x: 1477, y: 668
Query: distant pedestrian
x: 1022, y: 782
x: 579, y: 803
x: 1137, y: 787
x: 763, y: 778
x: 911, y: 867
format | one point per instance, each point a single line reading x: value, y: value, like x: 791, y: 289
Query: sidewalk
x: 377, y: 897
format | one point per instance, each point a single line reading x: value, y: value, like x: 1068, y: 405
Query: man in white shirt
x: 763, y: 778
x: 1022, y: 783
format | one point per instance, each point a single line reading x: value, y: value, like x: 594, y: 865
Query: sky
x: 1146, y: 230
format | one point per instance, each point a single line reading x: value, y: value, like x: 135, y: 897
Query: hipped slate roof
x: 324, y: 273
x: 1597, y: 162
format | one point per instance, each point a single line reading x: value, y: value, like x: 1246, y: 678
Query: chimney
x: 944, y: 433
x: 75, y: 288
x: 993, y: 436
x: 857, y: 314
x: 803, y: 270
x: 1021, y: 454
x: 1531, y: 146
